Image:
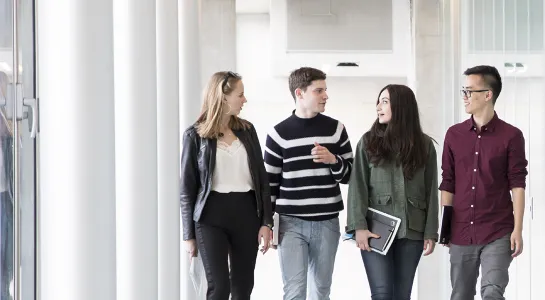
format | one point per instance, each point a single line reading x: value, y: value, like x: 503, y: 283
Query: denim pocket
x: 332, y: 225
x: 288, y: 223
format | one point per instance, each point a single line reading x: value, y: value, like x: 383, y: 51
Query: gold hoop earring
x: 228, y: 112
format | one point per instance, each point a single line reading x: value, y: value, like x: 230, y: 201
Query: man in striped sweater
x: 306, y: 156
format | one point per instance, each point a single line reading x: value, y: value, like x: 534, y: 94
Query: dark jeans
x: 227, y: 237
x: 6, y: 244
x: 391, y: 276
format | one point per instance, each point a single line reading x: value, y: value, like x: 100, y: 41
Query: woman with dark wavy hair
x: 395, y: 171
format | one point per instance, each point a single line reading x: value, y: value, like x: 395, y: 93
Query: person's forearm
x: 446, y: 198
x: 518, y: 207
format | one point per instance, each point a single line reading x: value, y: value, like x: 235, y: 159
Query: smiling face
x: 384, y: 111
x: 475, y: 94
x: 314, y: 98
x: 236, y: 99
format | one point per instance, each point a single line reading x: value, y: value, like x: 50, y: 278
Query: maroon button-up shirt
x: 480, y: 169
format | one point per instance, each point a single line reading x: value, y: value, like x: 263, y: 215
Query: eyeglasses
x: 226, y: 78
x: 467, y: 93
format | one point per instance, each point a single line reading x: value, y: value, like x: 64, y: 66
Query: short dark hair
x: 303, y: 77
x: 491, y: 78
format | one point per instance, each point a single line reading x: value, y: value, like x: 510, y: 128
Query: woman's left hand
x: 264, y: 235
x: 429, y: 245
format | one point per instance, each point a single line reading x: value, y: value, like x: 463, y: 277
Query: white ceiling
x: 253, y: 6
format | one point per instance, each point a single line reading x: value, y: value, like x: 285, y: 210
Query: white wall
x: 351, y: 100
x: 218, y: 19
x: 269, y: 99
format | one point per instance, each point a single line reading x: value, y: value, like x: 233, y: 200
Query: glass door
x: 18, y: 128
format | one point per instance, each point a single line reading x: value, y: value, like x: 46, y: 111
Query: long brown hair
x: 402, y: 139
x: 209, y: 122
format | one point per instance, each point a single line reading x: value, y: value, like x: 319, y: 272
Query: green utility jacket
x: 385, y: 188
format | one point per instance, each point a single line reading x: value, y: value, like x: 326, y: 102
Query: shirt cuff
x: 356, y: 226
x: 431, y: 237
x: 447, y: 187
x: 517, y: 184
x: 337, y: 166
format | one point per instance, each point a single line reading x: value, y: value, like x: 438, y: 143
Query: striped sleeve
x: 342, y: 169
x: 273, y: 157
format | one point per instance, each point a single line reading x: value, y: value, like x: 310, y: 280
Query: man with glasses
x: 483, y: 163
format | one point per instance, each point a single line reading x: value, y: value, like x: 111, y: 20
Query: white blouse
x: 232, y: 171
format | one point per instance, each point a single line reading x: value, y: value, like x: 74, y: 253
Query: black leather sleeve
x: 189, y: 185
x: 267, y: 218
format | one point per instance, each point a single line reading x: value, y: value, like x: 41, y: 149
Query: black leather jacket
x: 198, y: 162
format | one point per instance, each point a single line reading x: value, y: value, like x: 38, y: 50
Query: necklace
x: 222, y: 135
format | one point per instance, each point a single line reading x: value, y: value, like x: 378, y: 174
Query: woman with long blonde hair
x: 225, y: 197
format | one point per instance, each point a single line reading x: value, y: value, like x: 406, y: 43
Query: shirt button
x: 472, y: 222
x: 479, y: 136
x: 474, y: 170
x: 476, y: 153
x: 471, y: 205
x: 472, y: 187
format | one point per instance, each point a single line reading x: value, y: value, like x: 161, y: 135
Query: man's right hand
x: 362, y: 238
x: 191, y: 247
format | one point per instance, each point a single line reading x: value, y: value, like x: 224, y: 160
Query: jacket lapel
x: 212, y: 145
x: 243, y: 137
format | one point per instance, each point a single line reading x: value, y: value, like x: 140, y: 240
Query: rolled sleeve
x: 517, y: 162
x: 447, y: 165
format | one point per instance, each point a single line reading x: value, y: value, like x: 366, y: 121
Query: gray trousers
x: 494, y: 260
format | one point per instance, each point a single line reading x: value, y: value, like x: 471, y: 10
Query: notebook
x: 446, y: 223
x: 380, y: 223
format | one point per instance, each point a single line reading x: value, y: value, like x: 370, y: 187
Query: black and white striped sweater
x: 299, y: 186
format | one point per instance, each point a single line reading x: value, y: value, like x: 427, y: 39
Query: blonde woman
x: 225, y: 198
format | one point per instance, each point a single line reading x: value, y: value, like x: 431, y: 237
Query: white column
x: 429, y: 84
x: 168, y: 149
x: 136, y: 148
x: 218, y: 37
x: 77, y: 166
x: 190, y: 98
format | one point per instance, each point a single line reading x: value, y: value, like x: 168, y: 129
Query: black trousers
x: 227, y: 237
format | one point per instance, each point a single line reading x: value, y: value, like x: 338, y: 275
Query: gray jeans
x: 494, y: 260
x: 307, y: 247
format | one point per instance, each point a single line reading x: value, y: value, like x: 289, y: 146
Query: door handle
x: 8, y: 102
x: 31, y: 103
